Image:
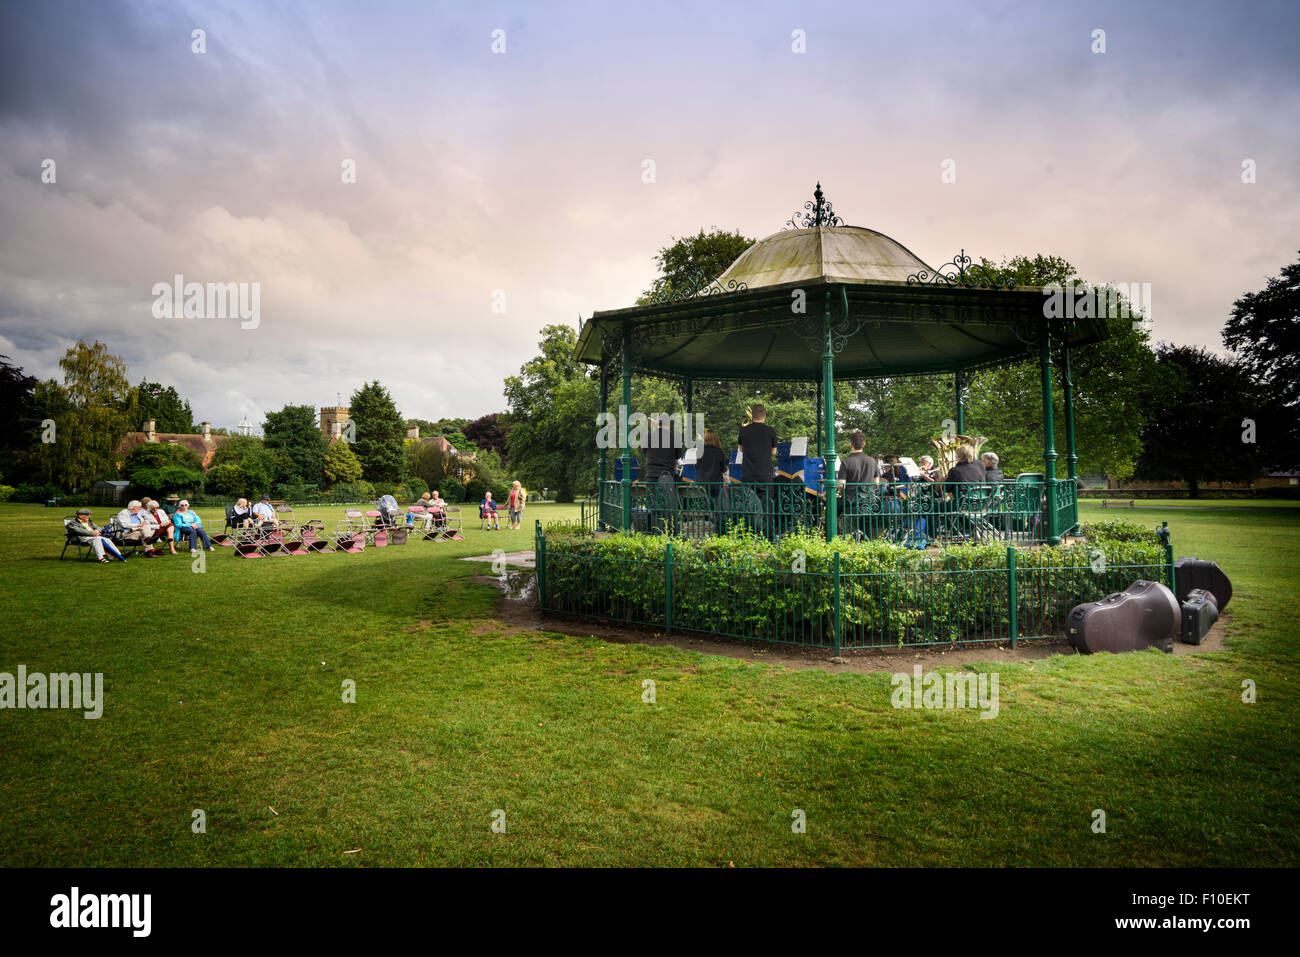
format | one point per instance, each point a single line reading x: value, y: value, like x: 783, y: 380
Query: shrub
x: 227, y: 480
x: 451, y: 490
x: 6, y: 492
x: 412, y: 489
x: 741, y: 584
x: 1117, y: 531
x: 475, y: 490
x: 27, y: 492
x: 361, y: 491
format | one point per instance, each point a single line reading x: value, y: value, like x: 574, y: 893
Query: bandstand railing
x: 918, y: 514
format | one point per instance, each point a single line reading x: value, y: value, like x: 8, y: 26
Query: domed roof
x: 840, y: 253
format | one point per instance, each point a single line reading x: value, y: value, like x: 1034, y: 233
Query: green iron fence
x: 918, y: 514
x: 1000, y: 595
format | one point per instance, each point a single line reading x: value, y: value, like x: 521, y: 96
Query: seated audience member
x: 136, y: 527
x: 966, y: 469
x: 88, y: 533
x: 991, y: 471
x: 162, y: 522
x: 435, y: 510
x: 487, y: 509
x: 265, y: 514
x: 711, y: 465
x: 189, y: 523
x: 241, y: 516
x: 928, y: 472
x: 858, y: 468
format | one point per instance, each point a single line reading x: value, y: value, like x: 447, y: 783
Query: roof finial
x: 820, y: 213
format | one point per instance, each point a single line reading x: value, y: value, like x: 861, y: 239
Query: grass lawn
x: 223, y: 693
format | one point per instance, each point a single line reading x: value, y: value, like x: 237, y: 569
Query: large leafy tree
x: 163, y: 404
x: 294, y: 431
x: 252, y: 456
x: 428, y: 462
x: 18, y: 425
x: 89, y: 421
x: 1264, y: 330
x: 162, y: 467
x: 553, y: 403
x: 690, y: 261
x: 489, y: 432
x: 341, y: 465
x: 380, y: 433
x: 1201, y: 428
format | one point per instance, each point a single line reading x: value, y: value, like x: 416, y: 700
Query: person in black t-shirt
x: 661, y: 450
x: 711, y: 466
x: 757, y: 444
x: 858, y: 468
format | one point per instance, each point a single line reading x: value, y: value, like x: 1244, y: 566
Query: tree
x: 686, y: 261
x: 19, y: 428
x: 488, y: 432
x: 426, y: 461
x: 1265, y: 331
x: 163, y: 404
x: 553, y: 404
x: 1200, y: 432
x: 162, y: 467
x: 341, y: 464
x: 248, y: 452
x: 380, y: 433
x: 293, y: 431
x: 227, y: 479
x: 91, y: 422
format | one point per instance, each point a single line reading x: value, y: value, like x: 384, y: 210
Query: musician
x: 711, y: 466
x: 757, y: 444
x: 661, y: 450
x: 928, y: 472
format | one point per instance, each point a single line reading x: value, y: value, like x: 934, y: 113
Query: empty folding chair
x: 350, y: 534
x: 311, y: 535
x: 377, y: 531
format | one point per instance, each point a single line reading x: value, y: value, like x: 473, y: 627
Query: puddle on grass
x: 517, y: 586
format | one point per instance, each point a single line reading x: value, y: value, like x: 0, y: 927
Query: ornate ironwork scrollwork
x: 695, y: 286
x: 818, y: 213
x: 960, y: 272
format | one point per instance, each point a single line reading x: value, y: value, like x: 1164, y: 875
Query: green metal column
x: 688, y: 430
x: 604, y: 408
x: 817, y: 419
x: 961, y: 410
x: 1071, y: 457
x: 828, y: 392
x: 625, y: 411
x: 1051, y: 532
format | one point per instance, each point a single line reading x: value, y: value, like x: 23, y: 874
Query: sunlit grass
x: 224, y: 692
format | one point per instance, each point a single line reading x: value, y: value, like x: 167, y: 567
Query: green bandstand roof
x: 890, y: 314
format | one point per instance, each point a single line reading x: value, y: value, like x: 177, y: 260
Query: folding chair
x: 248, y: 542
x: 311, y: 535
x: 350, y: 534
x: 224, y: 537
x: 450, y: 530
x: 83, y: 548
x: 377, y: 530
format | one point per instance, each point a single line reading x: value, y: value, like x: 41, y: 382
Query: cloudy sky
x: 522, y: 171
